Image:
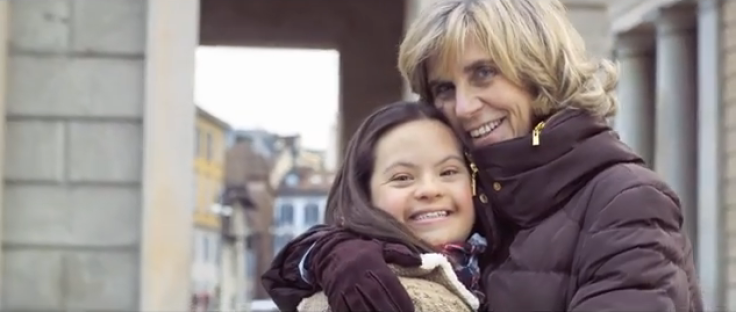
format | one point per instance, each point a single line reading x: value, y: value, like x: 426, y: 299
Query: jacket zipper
x: 536, y: 133
x: 473, y: 178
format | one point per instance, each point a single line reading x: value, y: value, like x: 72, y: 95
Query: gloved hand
x: 283, y: 280
x: 354, y: 272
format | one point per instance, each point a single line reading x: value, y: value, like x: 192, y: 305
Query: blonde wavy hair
x: 531, y: 42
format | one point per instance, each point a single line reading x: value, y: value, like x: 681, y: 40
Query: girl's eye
x: 401, y: 177
x: 449, y: 172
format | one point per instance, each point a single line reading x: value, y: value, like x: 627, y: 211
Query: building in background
x: 262, y: 142
x: 677, y: 92
x: 300, y: 203
x: 332, y: 158
x: 235, y: 205
x: 301, y: 193
x: 249, y: 164
x: 278, y: 173
x: 209, y: 159
x: 291, y: 154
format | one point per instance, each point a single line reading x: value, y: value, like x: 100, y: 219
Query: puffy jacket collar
x: 531, y: 177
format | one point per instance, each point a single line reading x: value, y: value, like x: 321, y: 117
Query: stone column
x: 413, y: 7
x: 712, y: 171
x: 366, y: 85
x: 98, y: 163
x: 242, y: 291
x: 676, y: 110
x: 635, y: 118
x: 4, y: 38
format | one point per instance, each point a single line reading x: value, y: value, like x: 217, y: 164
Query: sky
x: 286, y: 91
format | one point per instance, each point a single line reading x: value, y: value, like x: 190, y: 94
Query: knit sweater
x: 433, y: 287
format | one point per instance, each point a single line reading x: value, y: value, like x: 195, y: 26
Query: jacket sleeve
x: 633, y: 255
x: 283, y: 280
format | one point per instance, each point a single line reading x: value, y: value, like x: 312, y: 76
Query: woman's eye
x: 441, y: 89
x: 485, y: 72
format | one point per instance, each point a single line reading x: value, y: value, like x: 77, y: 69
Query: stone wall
x: 73, y: 155
x: 95, y: 200
x: 728, y: 39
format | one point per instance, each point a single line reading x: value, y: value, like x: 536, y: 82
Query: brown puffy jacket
x: 579, y: 224
x: 588, y: 227
x: 433, y: 287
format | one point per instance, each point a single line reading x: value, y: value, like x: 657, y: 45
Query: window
x: 251, y: 264
x: 209, y: 146
x: 230, y: 139
x: 214, y: 250
x: 280, y: 241
x: 311, y: 214
x: 292, y: 180
x: 197, y: 136
x: 195, y: 241
x: 285, y: 215
x: 205, y: 247
x: 253, y: 244
x: 198, y: 245
x: 194, y: 194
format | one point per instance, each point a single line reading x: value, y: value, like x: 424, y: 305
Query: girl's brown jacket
x: 433, y: 287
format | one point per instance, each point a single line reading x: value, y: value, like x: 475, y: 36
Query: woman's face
x: 421, y: 179
x: 474, y: 96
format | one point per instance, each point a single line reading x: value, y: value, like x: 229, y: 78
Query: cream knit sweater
x: 433, y: 287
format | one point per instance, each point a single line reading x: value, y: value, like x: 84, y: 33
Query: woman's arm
x: 283, y: 280
x: 352, y: 271
x: 634, y: 256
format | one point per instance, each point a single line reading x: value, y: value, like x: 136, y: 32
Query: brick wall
x: 729, y: 123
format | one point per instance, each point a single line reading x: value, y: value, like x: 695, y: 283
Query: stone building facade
x: 678, y: 109
x: 97, y: 136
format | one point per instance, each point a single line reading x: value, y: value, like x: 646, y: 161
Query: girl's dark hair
x: 349, y: 201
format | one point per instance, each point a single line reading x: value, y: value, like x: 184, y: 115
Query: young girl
x: 405, y: 179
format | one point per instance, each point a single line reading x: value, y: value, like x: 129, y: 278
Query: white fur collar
x: 437, y: 261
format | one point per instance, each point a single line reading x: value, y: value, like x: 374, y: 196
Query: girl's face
x: 420, y: 177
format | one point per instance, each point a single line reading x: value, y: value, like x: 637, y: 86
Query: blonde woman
x: 575, y: 220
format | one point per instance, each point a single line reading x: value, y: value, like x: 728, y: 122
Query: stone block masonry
x: 80, y: 170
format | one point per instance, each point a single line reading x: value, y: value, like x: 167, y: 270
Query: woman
x: 575, y: 220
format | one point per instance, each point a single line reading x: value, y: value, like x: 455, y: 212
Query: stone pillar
x: 242, y: 291
x: 367, y: 80
x: 413, y: 7
x: 635, y: 118
x: 228, y: 279
x: 591, y: 19
x: 676, y: 110
x: 4, y: 39
x: 97, y: 170
x: 712, y: 173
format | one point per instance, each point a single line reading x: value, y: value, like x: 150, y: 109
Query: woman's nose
x: 466, y: 105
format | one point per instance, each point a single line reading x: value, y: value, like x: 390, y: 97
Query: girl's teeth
x: 431, y: 215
